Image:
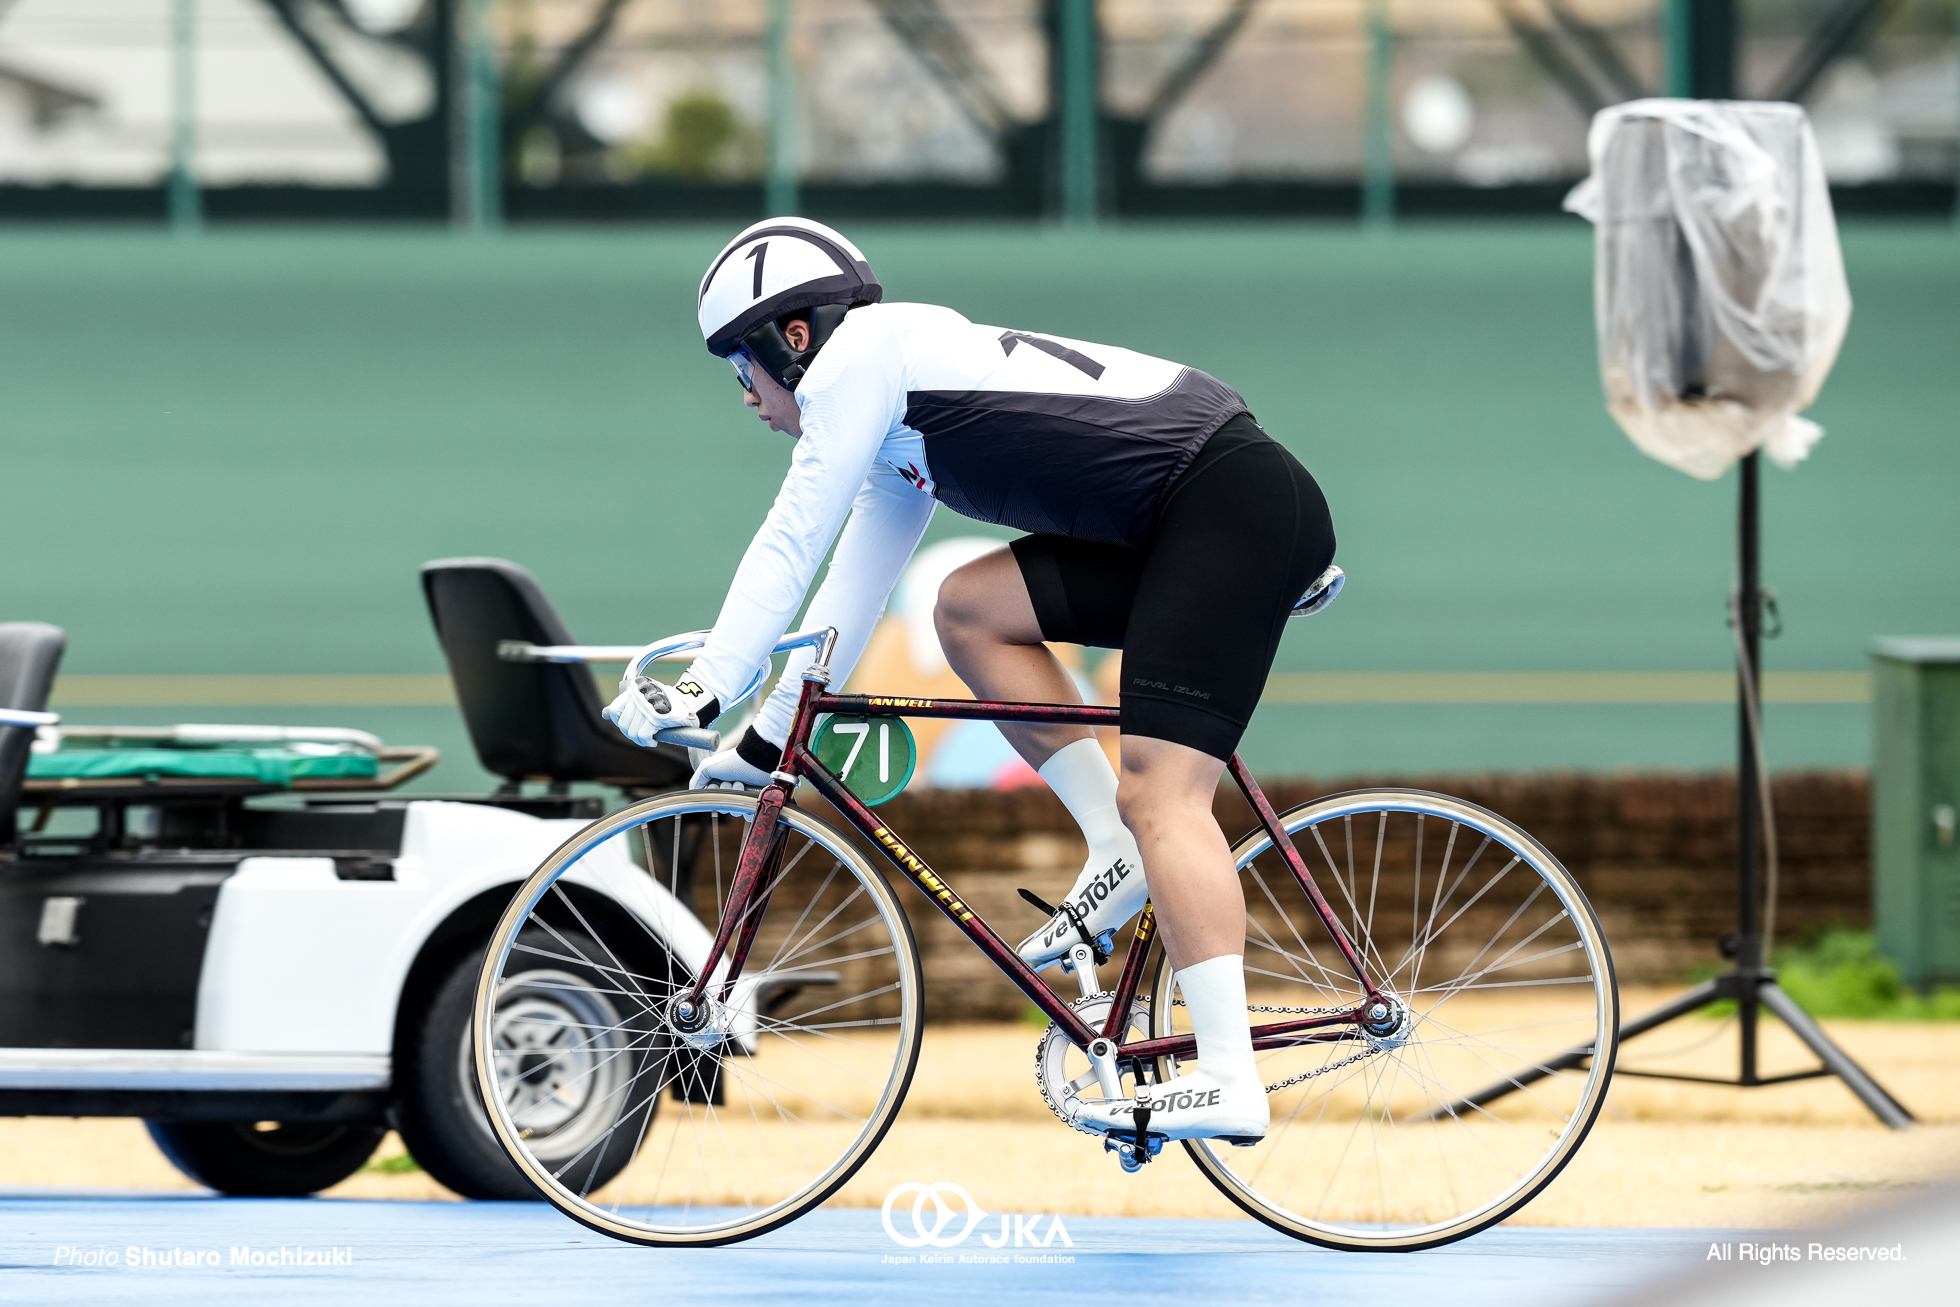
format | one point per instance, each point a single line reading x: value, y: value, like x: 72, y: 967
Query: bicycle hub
x: 695, y: 1022
x: 1385, y: 1022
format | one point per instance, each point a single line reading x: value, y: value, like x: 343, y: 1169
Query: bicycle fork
x: 741, y: 917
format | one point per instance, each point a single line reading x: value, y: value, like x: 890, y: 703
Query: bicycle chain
x: 1291, y: 1081
x: 1261, y: 1007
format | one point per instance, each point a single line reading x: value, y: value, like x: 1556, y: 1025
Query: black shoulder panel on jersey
x: 1084, y: 466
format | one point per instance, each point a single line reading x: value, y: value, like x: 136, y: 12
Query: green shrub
x: 1839, y: 972
x: 701, y: 139
x: 399, y: 1164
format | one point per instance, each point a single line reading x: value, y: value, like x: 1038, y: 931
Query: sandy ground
x: 1663, y: 1154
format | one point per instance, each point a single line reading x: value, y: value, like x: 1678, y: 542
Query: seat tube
x: 1126, y: 987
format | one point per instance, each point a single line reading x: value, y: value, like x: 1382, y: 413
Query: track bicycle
x: 1432, y: 1001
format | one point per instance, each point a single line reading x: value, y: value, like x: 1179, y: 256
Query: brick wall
x: 1655, y: 853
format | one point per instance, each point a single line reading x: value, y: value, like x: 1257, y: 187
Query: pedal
x: 1104, y: 945
x: 1128, y: 1156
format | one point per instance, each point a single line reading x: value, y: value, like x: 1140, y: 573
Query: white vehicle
x: 235, y: 934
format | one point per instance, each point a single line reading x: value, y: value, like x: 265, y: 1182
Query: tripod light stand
x: 1660, y: 313
x: 1750, y: 983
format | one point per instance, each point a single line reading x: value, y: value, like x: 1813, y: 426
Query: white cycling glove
x: 645, y: 707
x: 746, y: 765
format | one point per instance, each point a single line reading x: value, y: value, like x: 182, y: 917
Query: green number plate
x: 874, y: 756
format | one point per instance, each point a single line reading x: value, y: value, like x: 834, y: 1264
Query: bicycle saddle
x: 1324, y: 591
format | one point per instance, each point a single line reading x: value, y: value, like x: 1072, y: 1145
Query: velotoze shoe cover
x: 1194, y: 1106
x: 1107, y: 894
x: 1223, y: 1098
x: 1110, y: 889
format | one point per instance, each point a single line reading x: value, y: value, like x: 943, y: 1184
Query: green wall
x: 229, y: 455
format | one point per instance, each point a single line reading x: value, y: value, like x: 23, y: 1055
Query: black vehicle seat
x: 530, y: 721
x: 29, y: 654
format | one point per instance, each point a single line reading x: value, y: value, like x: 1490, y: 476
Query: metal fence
x: 482, y: 110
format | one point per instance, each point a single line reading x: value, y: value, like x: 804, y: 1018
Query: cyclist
x: 1162, y: 521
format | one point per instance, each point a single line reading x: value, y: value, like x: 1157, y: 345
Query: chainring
x: 1053, y: 1064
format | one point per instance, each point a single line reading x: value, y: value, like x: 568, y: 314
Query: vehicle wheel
x: 543, y: 1013
x: 780, y: 1095
x: 1491, y: 1059
x: 264, y: 1159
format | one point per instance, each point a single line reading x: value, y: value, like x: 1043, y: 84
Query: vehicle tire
x: 440, y: 1112
x: 261, y: 1159
x: 781, y: 1093
x: 1491, y: 1062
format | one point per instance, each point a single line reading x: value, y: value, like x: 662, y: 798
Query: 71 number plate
x: 873, y: 756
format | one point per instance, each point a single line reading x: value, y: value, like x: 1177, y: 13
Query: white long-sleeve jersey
x: 1036, y: 432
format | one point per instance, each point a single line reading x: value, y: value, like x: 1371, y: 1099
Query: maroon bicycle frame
x: 749, y: 889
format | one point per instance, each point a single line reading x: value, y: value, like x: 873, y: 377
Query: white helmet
x: 774, y: 268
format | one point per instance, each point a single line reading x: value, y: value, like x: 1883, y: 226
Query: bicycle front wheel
x: 1505, y: 1016
x: 663, y: 1131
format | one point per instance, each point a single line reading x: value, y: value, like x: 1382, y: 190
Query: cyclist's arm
x: 887, y: 519
x: 849, y: 402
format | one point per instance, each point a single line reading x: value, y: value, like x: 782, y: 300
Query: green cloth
x: 265, y: 766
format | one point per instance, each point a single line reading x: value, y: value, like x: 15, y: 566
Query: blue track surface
x: 433, y: 1254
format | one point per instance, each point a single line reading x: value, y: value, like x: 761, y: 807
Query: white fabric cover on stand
x: 1719, y: 286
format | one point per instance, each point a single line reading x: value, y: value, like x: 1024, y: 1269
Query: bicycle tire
x: 1418, y: 1182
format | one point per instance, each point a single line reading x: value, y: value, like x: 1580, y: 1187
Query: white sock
x: 1084, y: 781
x: 1214, y: 996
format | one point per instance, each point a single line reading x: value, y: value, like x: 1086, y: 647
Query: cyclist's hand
x: 645, y: 707
x: 729, y: 770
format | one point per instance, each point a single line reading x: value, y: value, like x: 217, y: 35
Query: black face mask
x: 772, y: 352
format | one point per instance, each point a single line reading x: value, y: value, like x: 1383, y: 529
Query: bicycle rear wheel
x: 774, y: 1104
x: 1498, y: 1065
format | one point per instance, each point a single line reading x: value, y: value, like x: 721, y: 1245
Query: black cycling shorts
x: 1199, y: 610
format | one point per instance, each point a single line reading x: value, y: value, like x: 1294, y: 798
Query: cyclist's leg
x: 993, y: 641
x: 1239, y: 538
x: 992, y: 617
x: 1165, y: 798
